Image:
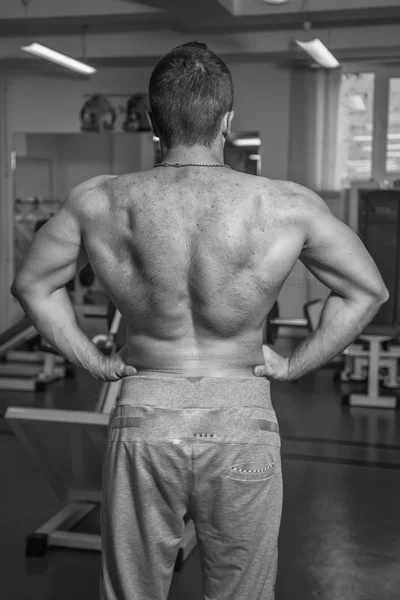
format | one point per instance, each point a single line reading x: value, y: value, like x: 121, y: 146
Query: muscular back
x: 193, y: 258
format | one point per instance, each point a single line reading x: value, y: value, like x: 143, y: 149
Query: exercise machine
x: 28, y: 370
x: 380, y: 361
x: 30, y: 214
x: 373, y: 357
x: 273, y: 322
x: 68, y: 447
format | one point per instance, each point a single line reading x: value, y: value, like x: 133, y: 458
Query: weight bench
x: 68, y: 447
x: 374, y: 358
x: 377, y: 336
x: 27, y: 371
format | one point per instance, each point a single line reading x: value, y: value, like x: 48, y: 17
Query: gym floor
x: 340, y: 532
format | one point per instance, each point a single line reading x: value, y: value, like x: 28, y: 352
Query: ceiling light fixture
x: 60, y: 59
x: 275, y: 2
x: 315, y: 48
x: 245, y: 142
x: 320, y: 53
x: 356, y: 103
x: 53, y: 55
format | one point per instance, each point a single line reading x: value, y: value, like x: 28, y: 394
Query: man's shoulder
x: 94, y: 184
x: 277, y: 187
x: 290, y: 189
x: 89, y: 194
x: 301, y: 199
x: 285, y: 198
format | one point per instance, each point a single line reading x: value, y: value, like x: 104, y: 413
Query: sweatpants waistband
x: 196, y: 392
x: 219, y: 409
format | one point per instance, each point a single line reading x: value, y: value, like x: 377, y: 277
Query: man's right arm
x: 338, y: 258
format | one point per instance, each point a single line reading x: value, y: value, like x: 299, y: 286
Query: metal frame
x: 39, y: 368
x: 288, y: 322
x: 77, y: 508
x: 6, y: 208
x: 374, y: 358
x: 372, y: 397
x: 108, y: 396
x: 21, y: 337
x: 380, y: 117
x: 31, y: 357
x: 79, y: 503
x: 33, y: 376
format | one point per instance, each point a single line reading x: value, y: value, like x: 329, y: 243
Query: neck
x: 194, y: 154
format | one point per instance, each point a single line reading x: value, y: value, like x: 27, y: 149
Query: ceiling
x: 137, y: 32
x: 189, y: 16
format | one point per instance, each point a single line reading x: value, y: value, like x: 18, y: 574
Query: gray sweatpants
x: 204, y: 448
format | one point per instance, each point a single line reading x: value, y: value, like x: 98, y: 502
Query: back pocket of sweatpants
x: 251, y: 471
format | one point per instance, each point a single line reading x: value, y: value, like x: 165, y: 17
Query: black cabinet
x: 379, y: 229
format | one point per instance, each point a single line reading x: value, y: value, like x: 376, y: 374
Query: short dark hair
x: 190, y: 90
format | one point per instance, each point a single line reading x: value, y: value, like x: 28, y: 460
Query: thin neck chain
x: 165, y: 164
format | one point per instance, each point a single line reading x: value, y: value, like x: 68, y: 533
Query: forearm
x: 54, y: 318
x: 342, y: 321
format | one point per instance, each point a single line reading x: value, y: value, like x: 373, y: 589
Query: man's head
x: 191, y: 97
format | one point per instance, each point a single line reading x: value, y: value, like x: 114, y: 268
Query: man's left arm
x: 53, y: 259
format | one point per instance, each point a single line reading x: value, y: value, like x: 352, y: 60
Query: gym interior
x: 326, y: 116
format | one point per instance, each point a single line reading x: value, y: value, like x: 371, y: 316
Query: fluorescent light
x: 361, y: 138
x: 320, y: 53
x: 368, y: 138
x: 389, y: 148
x: 59, y: 58
x: 247, y: 142
x: 356, y: 103
x: 254, y: 157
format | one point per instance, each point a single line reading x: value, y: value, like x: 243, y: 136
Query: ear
x: 231, y: 114
x: 152, y: 123
x: 227, y: 124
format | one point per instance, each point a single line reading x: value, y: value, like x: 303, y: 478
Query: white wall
x: 52, y: 104
x: 81, y: 157
x: 262, y: 92
x: 262, y: 96
x: 75, y: 157
x: 35, y: 152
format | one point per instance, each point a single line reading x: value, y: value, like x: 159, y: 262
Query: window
x: 393, y: 130
x: 355, y: 127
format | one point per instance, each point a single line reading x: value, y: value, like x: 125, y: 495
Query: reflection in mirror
x: 46, y: 167
x: 243, y: 152
x: 33, y: 189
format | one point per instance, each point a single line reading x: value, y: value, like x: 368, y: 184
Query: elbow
x: 15, y: 289
x: 27, y: 291
x: 383, y: 296
x: 19, y: 289
x: 379, y: 297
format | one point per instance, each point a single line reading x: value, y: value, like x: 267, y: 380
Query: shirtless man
x: 194, y: 254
